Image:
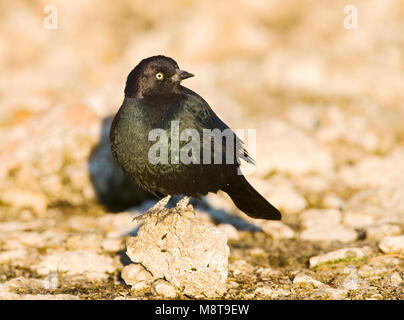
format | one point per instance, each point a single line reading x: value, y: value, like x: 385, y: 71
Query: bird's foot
x: 158, y: 207
x: 180, y: 207
x: 183, y: 203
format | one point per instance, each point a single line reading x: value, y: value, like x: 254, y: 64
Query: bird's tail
x: 248, y: 200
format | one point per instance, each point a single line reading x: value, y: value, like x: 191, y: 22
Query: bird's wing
x: 197, y: 108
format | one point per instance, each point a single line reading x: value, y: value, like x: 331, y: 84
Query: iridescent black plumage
x: 152, y: 103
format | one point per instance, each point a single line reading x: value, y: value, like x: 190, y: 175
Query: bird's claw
x: 153, y: 210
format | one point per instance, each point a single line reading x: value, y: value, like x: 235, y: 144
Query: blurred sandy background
x: 327, y: 103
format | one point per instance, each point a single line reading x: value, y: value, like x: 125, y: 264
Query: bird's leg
x: 156, y: 208
x: 181, y: 205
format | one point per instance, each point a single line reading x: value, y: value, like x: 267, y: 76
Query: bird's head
x: 156, y: 75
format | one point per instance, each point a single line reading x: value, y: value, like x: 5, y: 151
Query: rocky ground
x: 326, y: 103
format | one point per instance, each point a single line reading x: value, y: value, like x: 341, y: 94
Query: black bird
x: 153, y: 99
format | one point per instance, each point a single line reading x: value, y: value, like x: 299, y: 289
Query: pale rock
x: 375, y: 171
x: 280, y: 192
x: 324, y: 218
x: 33, y: 239
x: 54, y: 238
x: 280, y: 293
x: 16, y: 257
x: 277, y: 229
x: 112, y: 245
x: 312, y: 183
x: 8, y: 289
x: 345, y: 127
x: 164, y: 288
x: 330, y: 293
x: 136, y: 276
x: 283, y: 154
x: 384, y: 204
x: 357, y: 220
x: 380, y: 266
x: 266, y: 273
x: 77, y: 263
x: 396, y: 279
x: 333, y: 201
x: 84, y: 241
x: 117, y: 225
x: 51, y: 144
x: 338, y: 233
x: 218, y: 201
x: 241, y: 268
x: 372, y: 272
x: 378, y: 232
x: 190, y: 255
x: 325, y: 225
x: 258, y: 252
x: 47, y: 297
x: 302, y: 279
x: 13, y: 226
x: 52, y: 158
x: 265, y: 291
x: 231, y: 232
x: 5, y: 291
x: 304, y: 116
x: 340, y: 255
x: 392, y: 245
x: 11, y: 244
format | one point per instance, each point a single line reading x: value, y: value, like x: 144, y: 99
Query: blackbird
x: 155, y: 100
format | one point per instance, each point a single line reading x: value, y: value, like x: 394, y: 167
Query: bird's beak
x: 181, y: 75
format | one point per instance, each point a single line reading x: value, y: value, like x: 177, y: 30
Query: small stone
x: 117, y: 225
x: 258, y: 253
x: 33, y: 239
x: 372, y: 272
x: 357, y: 220
x: 331, y: 293
x: 16, y: 257
x: 77, y: 263
x: 325, y: 225
x: 379, y: 232
x: 47, y: 297
x: 231, y: 232
x: 281, y: 193
x: 395, y: 279
x: 112, y: 245
x: 392, y: 245
x: 277, y: 230
x: 164, y: 288
x: 85, y: 241
x: 12, y: 226
x: 372, y: 204
x: 333, y: 234
x: 8, y: 288
x: 266, y: 273
x: 137, y: 276
x: 265, y: 291
x: 302, y: 280
x: 340, y: 255
x: 241, y: 268
x: 314, y: 218
x: 375, y: 171
x: 333, y: 201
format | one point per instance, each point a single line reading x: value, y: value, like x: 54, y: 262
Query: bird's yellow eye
x: 159, y: 76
